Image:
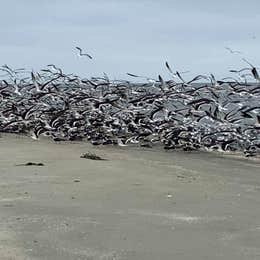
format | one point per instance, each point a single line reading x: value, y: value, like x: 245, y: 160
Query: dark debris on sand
x: 30, y: 164
x: 92, y: 156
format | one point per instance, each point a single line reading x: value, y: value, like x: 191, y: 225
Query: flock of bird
x: 220, y: 115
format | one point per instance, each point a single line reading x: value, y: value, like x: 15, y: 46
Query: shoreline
x: 132, y: 147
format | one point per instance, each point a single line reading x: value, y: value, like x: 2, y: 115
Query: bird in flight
x: 150, y: 80
x: 253, y: 70
x: 233, y: 51
x: 80, y: 54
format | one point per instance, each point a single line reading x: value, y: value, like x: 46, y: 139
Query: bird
x: 80, y: 54
x: 253, y: 70
x: 239, y: 71
x: 233, y: 51
x: 177, y: 74
x: 150, y: 80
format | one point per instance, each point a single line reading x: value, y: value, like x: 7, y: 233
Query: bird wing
x: 255, y: 73
x: 132, y: 75
x: 168, y: 67
x: 85, y: 54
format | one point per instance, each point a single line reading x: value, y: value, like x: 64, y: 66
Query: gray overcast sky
x: 135, y: 36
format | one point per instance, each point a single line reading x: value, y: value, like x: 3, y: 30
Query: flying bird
x: 80, y: 54
x: 233, y: 51
x: 253, y: 70
x: 168, y: 67
x: 176, y: 74
x: 150, y: 80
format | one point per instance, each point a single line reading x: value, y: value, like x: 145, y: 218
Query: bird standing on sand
x: 80, y: 54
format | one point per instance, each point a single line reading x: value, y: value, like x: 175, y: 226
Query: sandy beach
x: 138, y: 204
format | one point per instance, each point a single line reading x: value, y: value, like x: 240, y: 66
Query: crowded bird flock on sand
x: 202, y: 113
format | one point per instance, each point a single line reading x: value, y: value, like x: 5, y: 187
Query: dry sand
x: 139, y: 204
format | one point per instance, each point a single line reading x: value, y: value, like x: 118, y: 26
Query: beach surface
x: 139, y: 204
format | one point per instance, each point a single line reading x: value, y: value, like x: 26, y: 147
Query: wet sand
x: 139, y: 204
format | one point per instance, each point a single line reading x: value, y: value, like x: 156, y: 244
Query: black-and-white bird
x: 80, y: 54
